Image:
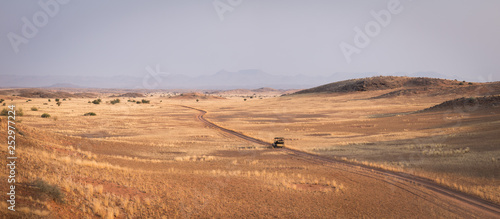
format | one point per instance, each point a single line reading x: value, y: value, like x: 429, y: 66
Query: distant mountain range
x: 222, y: 80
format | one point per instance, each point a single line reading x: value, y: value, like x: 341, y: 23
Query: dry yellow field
x: 157, y: 160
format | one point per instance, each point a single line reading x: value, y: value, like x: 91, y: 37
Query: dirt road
x: 457, y: 202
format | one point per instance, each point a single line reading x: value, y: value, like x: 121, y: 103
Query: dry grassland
x: 156, y: 160
x: 456, y: 147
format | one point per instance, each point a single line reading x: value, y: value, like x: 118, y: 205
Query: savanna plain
x: 156, y: 159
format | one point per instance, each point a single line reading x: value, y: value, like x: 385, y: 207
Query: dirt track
x: 463, y: 204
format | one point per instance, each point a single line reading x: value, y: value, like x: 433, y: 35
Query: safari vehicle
x: 279, y: 142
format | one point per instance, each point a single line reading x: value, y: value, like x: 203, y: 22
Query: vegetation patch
x: 98, y: 101
x: 51, y: 190
x: 441, y: 152
x: 5, y: 112
x: 115, y: 101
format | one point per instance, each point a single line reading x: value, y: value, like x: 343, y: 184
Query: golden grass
x: 36, y: 212
x: 151, y: 160
x: 380, y: 133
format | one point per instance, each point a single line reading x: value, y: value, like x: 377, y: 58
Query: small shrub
x: 45, y: 115
x: 96, y: 102
x: 34, y: 109
x: 470, y: 83
x: 471, y: 100
x: 1, y: 100
x: 5, y: 112
x: 3, y: 104
x: 64, y: 99
x: 51, y: 190
x: 115, y: 101
x: 245, y: 99
x: 57, y: 99
x: 461, y: 83
x: 90, y: 114
x: 145, y: 101
x: 49, y: 100
x: 58, y: 103
x: 138, y: 102
x: 197, y: 100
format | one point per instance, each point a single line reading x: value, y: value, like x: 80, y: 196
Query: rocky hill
x: 379, y: 83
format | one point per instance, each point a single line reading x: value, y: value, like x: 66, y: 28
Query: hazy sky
x: 114, y: 37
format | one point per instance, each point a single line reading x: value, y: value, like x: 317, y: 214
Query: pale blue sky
x: 288, y: 37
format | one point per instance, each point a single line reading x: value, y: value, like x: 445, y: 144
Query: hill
x: 45, y: 93
x: 196, y: 95
x: 408, y: 86
x: 378, y: 83
x: 263, y: 91
x: 468, y: 104
x: 134, y: 95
